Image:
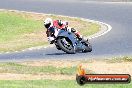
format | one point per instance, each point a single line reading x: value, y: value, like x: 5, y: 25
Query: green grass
x: 14, y: 29
x: 19, y: 31
x: 56, y: 84
x: 12, y: 26
x: 86, y: 31
x: 11, y: 67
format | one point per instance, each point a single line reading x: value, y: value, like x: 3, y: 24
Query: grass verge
x: 24, y: 69
x: 18, y: 68
x: 58, y: 74
x: 19, y: 30
x: 56, y: 84
x: 119, y: 59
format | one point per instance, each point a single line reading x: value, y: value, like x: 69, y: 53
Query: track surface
x: 115, y: 43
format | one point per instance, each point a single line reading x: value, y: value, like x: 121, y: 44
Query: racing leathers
x: 53, y: 30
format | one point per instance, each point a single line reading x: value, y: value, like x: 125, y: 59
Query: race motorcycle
x: 69, y: 43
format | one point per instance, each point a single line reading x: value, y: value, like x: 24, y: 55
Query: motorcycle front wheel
x: 66, y: 45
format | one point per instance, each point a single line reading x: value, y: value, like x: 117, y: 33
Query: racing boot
x: 83, y: 39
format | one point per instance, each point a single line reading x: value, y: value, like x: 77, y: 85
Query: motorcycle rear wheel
x: 88, y: 47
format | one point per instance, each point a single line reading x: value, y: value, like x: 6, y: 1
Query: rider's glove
x: 50, y: 39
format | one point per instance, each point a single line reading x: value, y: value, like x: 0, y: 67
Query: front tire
x: 66, y: 45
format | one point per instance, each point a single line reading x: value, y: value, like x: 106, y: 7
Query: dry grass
x: 97, y: 66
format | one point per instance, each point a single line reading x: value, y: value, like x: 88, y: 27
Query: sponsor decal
x: 83, y: 78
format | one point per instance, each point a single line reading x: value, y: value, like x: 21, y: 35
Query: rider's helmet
x: 60, y: 23
x: 48, y: 22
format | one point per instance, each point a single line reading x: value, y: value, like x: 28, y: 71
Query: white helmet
x: 48, y: 22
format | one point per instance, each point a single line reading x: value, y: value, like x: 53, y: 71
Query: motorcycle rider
x: 53, y: 27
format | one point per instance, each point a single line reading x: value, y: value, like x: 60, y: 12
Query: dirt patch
x: 101, y: 67
x: 55, y: 63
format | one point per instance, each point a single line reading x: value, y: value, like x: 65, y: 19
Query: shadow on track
x: 57, y: 54
x: 62, y: 53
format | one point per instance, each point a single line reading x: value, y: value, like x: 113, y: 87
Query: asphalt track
x: 118, y: 42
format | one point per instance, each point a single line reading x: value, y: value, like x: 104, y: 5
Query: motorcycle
x: 69, y: 43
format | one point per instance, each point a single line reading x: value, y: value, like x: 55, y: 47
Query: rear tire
x: 88, y: 47
x: 64, y: 47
